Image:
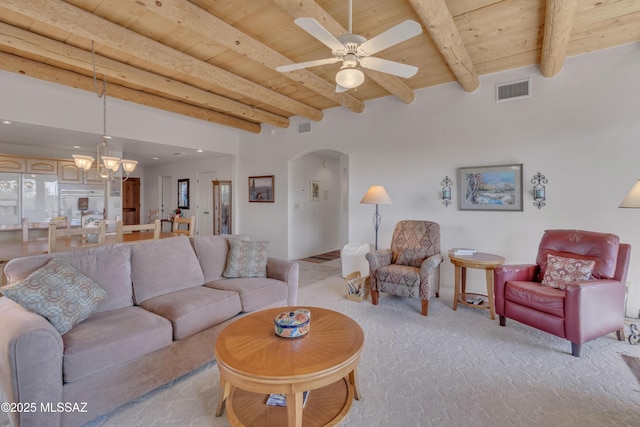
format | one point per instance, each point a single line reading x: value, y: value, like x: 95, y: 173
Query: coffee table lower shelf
x: 325, y: 406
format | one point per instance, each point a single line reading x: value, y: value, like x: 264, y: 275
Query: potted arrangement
x: 92, y: 223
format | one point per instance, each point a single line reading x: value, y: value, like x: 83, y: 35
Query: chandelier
x: 106, y: 164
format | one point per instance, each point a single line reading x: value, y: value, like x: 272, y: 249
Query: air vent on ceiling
x: 513, y: 90
x: 304, y: 127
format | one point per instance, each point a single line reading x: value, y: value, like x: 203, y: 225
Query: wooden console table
x: 254, y: 362
x: 479, y: 260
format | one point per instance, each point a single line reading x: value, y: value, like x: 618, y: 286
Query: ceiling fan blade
x: 340, y: 89
x: 401, y: 32
x: 315, y: 63
x: 314, y: 28
x: 389, y: 67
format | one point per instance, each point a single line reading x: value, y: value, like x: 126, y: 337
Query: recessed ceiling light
x: 6, y: 122
x: 200, y: 151
x: 154, y: 158
x: 76, y: 146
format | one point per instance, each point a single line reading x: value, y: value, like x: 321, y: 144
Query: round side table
x: 481, y: 261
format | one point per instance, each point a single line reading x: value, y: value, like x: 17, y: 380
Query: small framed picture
x: 261, y: 189
x: 183, y: 193
x: 490, y: 188
x: 314, y: 190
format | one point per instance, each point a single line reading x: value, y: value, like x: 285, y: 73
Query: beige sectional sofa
x: 167, y: 302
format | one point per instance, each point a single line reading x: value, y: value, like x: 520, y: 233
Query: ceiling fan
x: 354, y: 50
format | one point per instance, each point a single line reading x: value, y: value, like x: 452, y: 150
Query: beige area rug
x: 448, y: 369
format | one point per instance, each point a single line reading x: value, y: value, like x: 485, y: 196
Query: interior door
x: 222, y: 207
x: 131, y: 201
x: 165, y: 203
x: 204, y: 204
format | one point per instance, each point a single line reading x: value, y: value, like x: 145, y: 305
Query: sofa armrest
x: 30, y: 363
x: 286, y: 271
x: 593, y: 308
x: 507, y: 273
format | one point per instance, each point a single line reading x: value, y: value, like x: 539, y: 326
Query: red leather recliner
x: 586, y: 309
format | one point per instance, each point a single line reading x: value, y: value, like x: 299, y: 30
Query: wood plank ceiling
x: 215, y: 60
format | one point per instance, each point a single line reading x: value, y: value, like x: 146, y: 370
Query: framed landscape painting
x: 490, y: 188
x: 261, y: 189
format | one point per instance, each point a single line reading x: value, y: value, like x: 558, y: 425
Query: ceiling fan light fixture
x: 350, y: 78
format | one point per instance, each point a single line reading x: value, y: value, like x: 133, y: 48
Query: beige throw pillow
x: 246, y: 259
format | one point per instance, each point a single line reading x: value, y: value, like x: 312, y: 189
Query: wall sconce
x: 446, y: 191
x: 539, y: 190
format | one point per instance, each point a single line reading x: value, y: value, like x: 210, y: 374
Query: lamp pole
x: 376, y: 223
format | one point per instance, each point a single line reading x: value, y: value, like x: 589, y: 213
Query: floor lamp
x: 633, y: 198
x: 376, y: 195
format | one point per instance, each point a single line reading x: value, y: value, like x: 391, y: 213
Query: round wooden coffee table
x: 479, y: 260
x: 254, y: 362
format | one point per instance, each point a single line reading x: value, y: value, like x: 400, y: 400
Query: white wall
x: 580, y: 129
x: 315, y: 226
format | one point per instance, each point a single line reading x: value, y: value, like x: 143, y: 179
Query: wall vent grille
x: 513, y: 90
x: 304, y: 127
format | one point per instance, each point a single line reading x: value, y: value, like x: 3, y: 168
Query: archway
x: 318, y: 203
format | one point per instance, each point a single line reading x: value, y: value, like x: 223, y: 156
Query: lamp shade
x: 376, y: 195
x: 633, y: 198
x: 350, y: 78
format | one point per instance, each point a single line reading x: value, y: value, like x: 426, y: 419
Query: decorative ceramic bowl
x: 292, y: 324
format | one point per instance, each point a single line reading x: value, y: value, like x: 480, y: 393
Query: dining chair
x: 122, y: 229
x: 189, y: 222
x: 60, y: 222
x: 81, y: 233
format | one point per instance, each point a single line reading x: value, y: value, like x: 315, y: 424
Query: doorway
x: 204, y: 205
x: 222, y: 207
x: 165, y: 194
x: 131, y: 201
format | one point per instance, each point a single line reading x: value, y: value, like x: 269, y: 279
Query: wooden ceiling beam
x: 558, y: 22
x: 75, y: 58
x: 84, y: 24
x: 437, y: 19
x: 41, y: 71
x: 196, y: 19
x: 309, y: 8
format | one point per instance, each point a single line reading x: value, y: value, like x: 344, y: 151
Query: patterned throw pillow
x: 561, y: 271
x: 59, y: 293
x: 246, y: 259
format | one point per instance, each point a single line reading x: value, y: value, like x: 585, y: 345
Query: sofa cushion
x: 108, y: 265
x: 159, y: 267
x: 561, y: 270
x: 110, y: 338
x: 246, y: 259
x: 540, y: 298
x: 255, y: 293
x: 212, y: 253
x: 195, y: 309
x: 59, y: 293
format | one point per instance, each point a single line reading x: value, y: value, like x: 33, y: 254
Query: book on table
x: 281, y: 399
x: 463, y: 251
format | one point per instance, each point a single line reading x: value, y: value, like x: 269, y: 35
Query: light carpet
x: 448, y: 369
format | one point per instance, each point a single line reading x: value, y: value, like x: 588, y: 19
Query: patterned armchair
x: 411, y: 268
